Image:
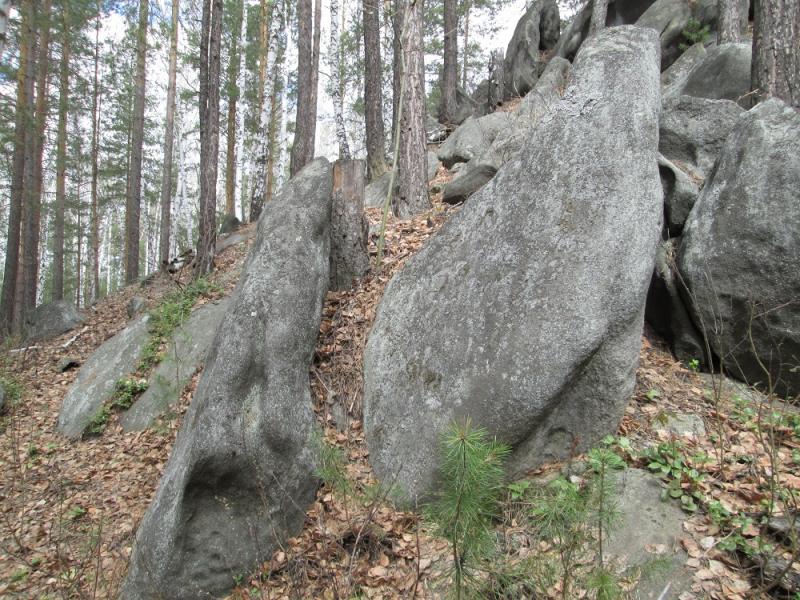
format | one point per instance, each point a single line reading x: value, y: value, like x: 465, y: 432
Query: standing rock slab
x: 740, y: 253
x: 98, y: 377
x: 669, y: 18
x: 186, y: 353
x: 241, y: 472
x: 525, y: 311
x: 537, y: 30
x: 674, y: 78
x: 50, y: 320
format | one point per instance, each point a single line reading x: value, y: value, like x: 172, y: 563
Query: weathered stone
x: 537, y: 30
x: 68, y: 363
x: 666, y: 311
x: 682, y: 425
x: 375, y: 193
x: 674, y: 78
x: 241, y: 472
x: 433, y: 165
x: 525, y: 312
x: 680, y: 194
x: 136, y: 306
x: 472, y: 137
x: 98, y: 377
x: 435, y: 132
x: 230, y: 223
x: 724, y: 74
x: 235, y: 238
x: 349, y: 226
x: 693, y: 130
x: 185, y: 355
x: 741, y: 250
x: 669, y: 18
x: 50, y: 320
x: 467, y: 182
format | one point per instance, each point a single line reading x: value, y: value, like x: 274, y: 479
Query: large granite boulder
x: 184, y: 356
x: 114, y: 359
x: 669, y: 18
x: 741, y: 249
x: 525, y: 312
x: 375, y: 193
x: 674, y: 78
x: 472, y: 137
x: 241, y: 472
x: 693, y: 130
x: 50, y: 320
x: 536, y: 31
x: 680, y: 194
x: 724, y: 74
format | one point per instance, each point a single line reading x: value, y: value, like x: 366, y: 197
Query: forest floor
x: 69, y: 510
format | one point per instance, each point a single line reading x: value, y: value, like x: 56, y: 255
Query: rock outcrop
x: 723, y: 74
x: 50, y: 320
x: 680, y: 194
x: 538, y: 30
x: 674, y: 78
x: 525, y: 312
x: 241, y: 472
x: 472, y: 137
x: 669, y: 18
x: 741, y: 249
x: 98, y: 377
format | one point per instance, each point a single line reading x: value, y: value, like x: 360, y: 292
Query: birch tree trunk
x: 61, y: 158
x: 169, y: 140
x: 233, y: 98
x: 5, y: 9
x: 337, y: 80
x: 94, y: 287
x: 397, y: 62
x: 134, y: 192
x: 599, y: 12
x: 776, y: 59
x: 373, y: 91
x: 466, y: 46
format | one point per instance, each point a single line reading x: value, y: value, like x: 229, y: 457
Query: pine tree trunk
x: 732, y: 21
x: 94, y: 287
x: 35, y: 175
x: 79, y: 208
x: 169, y: 140
x: 233, y: 97
x: 449, y: 82
x: 337, y: 80
x: 61, y: 159
x: 412, y: 195
x: 599, y: 12
x: 397, y: 61
x: 303, y: 146
x: 134, y: 191
x: 776, y: 59
x: 209, y: 134
x: 373, y: 91
x: 24, y: 113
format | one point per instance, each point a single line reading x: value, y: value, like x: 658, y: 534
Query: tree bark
x: 466, y: 46
x: 35, y: 175
x: 169, y: 141
x: 302, y: 148
x: 61, y: 158
x: 5, y: 9
x: 210, y: 40
x: 336, y: 69
x: 449, y: 82
x: 349, y: 258
x: 233, y: 98
x: 732, y: 21
x: 599, y: 12
x: 397, y: 61
x: 94, y: 287
x: 134, y: 192
x: 23, y: 116
x: 277, y: 90
x: 412, y: 190
x: 373, y: 91
x: 776, y: 59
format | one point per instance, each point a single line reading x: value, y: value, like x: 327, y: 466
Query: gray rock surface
x: 693, y: 130
x: 724, y: 74
x: 680, y: 194
x: 646, y: 523
x: 666, y: 311
x: 472, y: 137
x: 434, y: 131
x: 230, y: 223
x: 525, y: 311
x: 537, y: 30
x: 114, y: 359
x: 468, y: 181
x: 375, y: 192
x: 232, y: 239
x: 185, y: 355
x: 135, y: 306
x: 682, y: 425
x: 669, y: 18
x: 741, y: 249
x: 241, y: 472
x: 433, y: 165
x: 50, y: 320
x: 673, y: 79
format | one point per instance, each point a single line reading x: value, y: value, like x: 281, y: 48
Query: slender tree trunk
x: 373, y: 91
x: 211, y: 35
x: 449, y: 82
x: 134, y: 192
x: 732, y: 21
x: 465, y: 66
x: 61, y: 158
x: 24, y: 113
x: 169, y: 140
x: 79, y: 205
x: 776, y: 59
x: 240, y: 125
x: 5, y: 9
x: 233, y: 97
x: 412, y: 192
x: 277, y: 88
x: 303, y: 146
x: 33, y: 209
x: 599, y: 13
x: 337, y: 81
x: 94, y: 287
x: 397, y: 61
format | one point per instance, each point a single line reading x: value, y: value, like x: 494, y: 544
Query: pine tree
x: 373, y: 91
x: 776, y: 60
x: 169, y: 136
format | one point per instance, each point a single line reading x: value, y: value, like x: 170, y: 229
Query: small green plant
x: 604, y: 512
x: 97, y: 424
x: 126, y: 391
x: 669, y: 461
x: 652, y: 394
x: 693, y: 33
x: 694, y: 365
x: 472, y: 485
x: 517, y: 490
x: 332, y: 468
x: 76, y: 512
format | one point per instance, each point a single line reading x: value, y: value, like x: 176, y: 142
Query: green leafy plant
x: 472, y: 485
x: 517, y: 490
x: 126, y: 391
x: 693, y: 33
x: 670, y: 462
x: 694, y: 365
x: 332, y: 468
x: 97, y: 424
